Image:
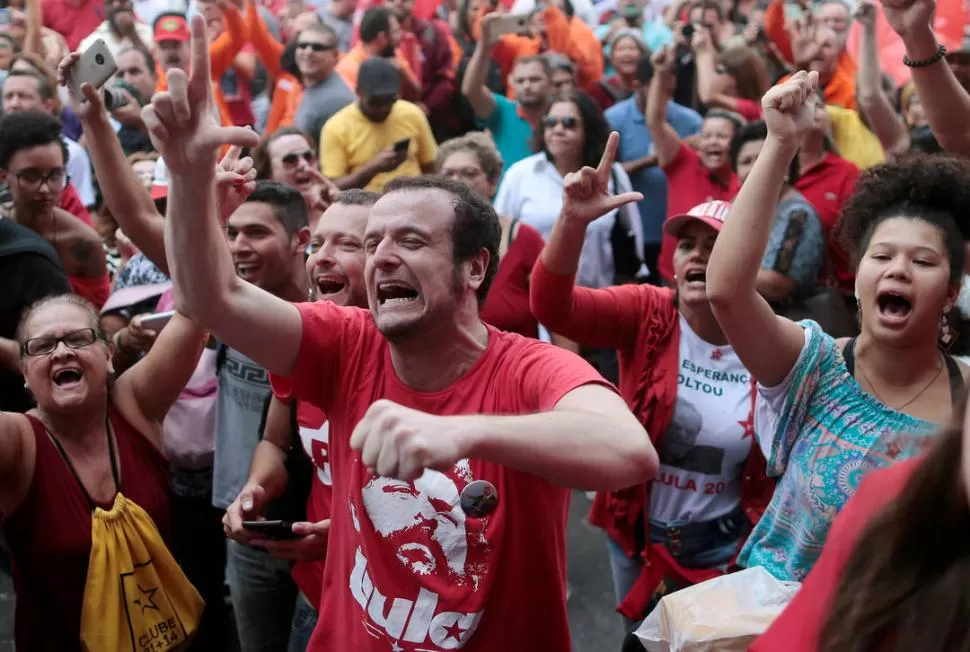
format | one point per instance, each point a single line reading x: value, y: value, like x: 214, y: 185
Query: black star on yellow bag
x: 136, y: 598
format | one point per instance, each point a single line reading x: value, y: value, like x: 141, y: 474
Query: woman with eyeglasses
x: 571, y: 135
x: 288, y: 155
x: 91, y: 437
x: 32, y: 164
x: 473, y: 160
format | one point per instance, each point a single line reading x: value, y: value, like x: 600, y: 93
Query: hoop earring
x: 948, y: 334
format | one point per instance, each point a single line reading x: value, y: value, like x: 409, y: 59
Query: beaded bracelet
x: 940, y: 53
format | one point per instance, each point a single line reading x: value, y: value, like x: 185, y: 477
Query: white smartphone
x: 156, y: 322
x: 511, y: 24
x: 95, y: 67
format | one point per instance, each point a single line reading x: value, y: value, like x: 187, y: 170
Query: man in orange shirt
x: 816, y: 47
x: 380, y: 36
x: 173, y: 51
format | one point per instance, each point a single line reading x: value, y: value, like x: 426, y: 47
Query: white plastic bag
x: 724, y: 614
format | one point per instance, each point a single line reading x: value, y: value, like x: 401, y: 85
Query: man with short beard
x: 336, y: 272
x: 120, y: 29
x: 380, y: 36
x: 430, y: 409
x: 511, y: 123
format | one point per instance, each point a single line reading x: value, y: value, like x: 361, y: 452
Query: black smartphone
x: 278, y: 530
x: 402, y: 145
x: 687, y: 31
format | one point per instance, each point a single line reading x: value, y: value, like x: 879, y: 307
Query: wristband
x: 940, y: 53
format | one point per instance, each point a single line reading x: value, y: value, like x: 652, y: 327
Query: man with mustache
x: 120, y: 29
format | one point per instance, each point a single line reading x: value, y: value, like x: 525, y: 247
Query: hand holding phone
x: 510, y: 24
x: 96, y: 66
x: 156, y: 321
x: 273, y: 530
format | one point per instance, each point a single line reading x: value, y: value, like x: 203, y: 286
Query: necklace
x: 907, y: 403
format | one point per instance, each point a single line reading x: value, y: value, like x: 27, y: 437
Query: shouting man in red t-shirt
x: 451, y: 443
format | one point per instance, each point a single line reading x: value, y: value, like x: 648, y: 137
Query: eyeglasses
x: 568, y: 122
x: 75, y: 340
x: 292, y: 159
x: 32, y: 179
x: 316, y: 47
x: 466, y: 174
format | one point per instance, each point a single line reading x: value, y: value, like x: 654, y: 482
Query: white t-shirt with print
x: 703, y: 452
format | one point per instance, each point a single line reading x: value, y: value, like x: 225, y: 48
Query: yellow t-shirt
x: 348, y: 140
x: 853, y: 139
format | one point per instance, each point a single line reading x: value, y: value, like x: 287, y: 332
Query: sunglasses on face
x: 292, y: 159
x: 316, y: 47
x: 568, y: 122
x: 46, y: 345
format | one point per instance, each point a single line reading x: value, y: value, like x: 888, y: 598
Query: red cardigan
x: 642, y: 323
x: 798, y: 626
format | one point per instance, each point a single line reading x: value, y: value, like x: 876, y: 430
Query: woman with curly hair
x: 829, y: 411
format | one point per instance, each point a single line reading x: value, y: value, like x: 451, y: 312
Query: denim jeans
x: 304, y: 621
x: 714, y: 546
x: 263, y: 598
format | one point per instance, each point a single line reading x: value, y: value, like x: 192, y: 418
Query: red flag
x: 948, y: 25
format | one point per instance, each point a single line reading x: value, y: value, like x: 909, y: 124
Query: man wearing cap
x: 171, y: 33
x: 688, y: 388
x: 379, y: 137
x: 120, y: 29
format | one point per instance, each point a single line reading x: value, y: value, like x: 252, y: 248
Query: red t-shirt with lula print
x: 407, y: 569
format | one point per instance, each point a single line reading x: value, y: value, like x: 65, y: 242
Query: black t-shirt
x: 30, y: 271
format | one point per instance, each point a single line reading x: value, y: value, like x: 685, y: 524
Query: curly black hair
x: 933, y: 188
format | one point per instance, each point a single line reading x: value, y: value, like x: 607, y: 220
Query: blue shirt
x: 635, y: 142
x: 512, y: 133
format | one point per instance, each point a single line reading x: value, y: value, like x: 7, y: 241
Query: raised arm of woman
x: 768, y: 345
x: 148, y: 389
x: 606, y: 318
x: 666, y: 142
x: 873, y: 103
x: 14, y: 450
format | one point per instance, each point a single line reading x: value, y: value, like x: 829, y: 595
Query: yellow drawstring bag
x: 136, y: 598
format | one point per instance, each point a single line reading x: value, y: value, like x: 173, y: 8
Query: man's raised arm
x: 183, y: 129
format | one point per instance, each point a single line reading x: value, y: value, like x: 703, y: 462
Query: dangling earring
x: 948, y: 334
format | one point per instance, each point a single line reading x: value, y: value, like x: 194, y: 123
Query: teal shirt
x: 821, y: 435
x: 512, y: 133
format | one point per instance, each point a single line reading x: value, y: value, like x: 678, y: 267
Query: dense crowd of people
x: 315, y: 312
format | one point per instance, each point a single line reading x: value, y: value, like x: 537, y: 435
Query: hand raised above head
x: 909, y: 16
x: 181, y: 121
x: 789, y: 107
x: 586, y: 195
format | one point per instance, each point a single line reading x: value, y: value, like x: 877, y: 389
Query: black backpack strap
x: 848, y: 353
x: 956, y: 379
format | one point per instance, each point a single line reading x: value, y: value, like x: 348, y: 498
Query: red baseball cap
x: 171, y: 27
x: 711, y: 213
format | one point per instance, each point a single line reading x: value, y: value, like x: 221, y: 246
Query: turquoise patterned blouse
x: 820, y: 434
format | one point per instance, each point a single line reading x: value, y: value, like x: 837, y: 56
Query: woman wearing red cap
x: 690, y: 390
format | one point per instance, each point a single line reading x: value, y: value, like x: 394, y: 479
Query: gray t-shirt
x: 320, y: 102
x: 243, y: 392
x: 342, y: 27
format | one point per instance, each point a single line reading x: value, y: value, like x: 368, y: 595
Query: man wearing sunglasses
x: 324, y: 91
